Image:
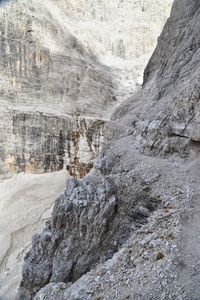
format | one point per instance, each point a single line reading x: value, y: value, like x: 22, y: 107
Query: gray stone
x: 141, y: 229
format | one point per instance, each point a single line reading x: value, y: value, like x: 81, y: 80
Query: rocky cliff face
x: 122, y: 34
x: 25, y: 208
x: 57, y: 89
x: 48, y: 94
x: 134, y: 221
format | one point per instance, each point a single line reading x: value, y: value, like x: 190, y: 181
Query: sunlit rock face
x: 52, y: 99
x: 130, y: 229
x: 65, y: 66
x: 122, y: 34
x: 49, y: 143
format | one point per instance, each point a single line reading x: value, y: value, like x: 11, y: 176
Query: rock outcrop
x: 57, y: 89
x: 134, y: 221
x: 26, y: 201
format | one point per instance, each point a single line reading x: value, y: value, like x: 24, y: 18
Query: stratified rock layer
x: 122, y: 34
x: 151, y: 162
x: 48, y: 143
x: 56, y: 90
x: 47, y: 94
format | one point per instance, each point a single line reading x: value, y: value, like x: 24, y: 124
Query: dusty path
x: 25, y: 203
x: 190, y: 273
x: 189, y: 279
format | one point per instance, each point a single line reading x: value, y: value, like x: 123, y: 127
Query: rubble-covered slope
x: 130, y: 230
x: 26, y: 202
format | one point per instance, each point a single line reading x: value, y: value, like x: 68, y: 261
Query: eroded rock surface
x: 151, y: 161
x: 26, y: 202
x: 90, y: 222
x: 57, y: 88
x: 44, y: 90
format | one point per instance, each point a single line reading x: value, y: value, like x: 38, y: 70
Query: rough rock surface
x: 56, y: 91
x: 88, y: 226
x: 122, y: 34
x: 26, y: 202
x: 46, y: 92
x: 144, y: 190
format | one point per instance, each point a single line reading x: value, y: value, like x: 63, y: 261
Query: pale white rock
x: 65, y: 66
x: 66, y: 59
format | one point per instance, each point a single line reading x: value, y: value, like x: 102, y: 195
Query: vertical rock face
x: 43, y: 90
x: 89, y: 224
x: 122, y: 35
x: 57, y: 88
x: 142, y: 200
x: 48, y: 143
x: 24, y: 202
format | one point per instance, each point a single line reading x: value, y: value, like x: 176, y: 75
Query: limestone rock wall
x: 44, y: 143
x: 63, y: 61
x: 136, y: 218
x: 122, y: 34
x: 53, y: 103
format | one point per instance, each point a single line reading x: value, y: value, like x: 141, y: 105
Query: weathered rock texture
x: 134, y: 222
x: 122, y: 34
x: 57, y: 89
x: 48, y: 93
x: 26, y: 202
x: 48, y: 143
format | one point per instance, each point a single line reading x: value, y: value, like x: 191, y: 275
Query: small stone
x: 159, y: 256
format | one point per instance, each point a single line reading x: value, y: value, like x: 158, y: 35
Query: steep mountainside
x: 65, y: 66
x: 130, y: 229
x: 57, y: 89
x: 122, y: 34
x: 26, y: 202
x: 48, y: 95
